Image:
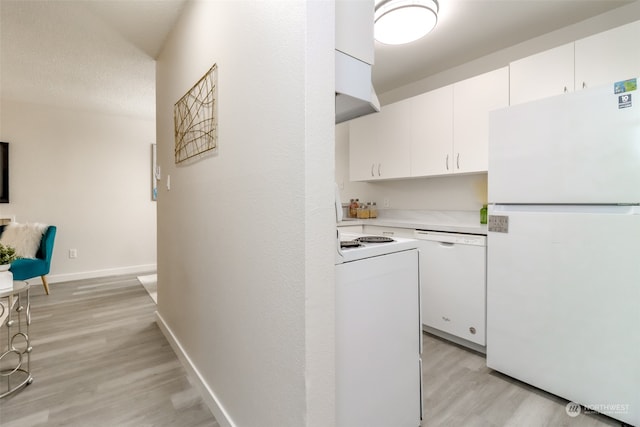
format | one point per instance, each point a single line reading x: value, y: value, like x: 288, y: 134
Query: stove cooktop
x: 358, y: 246
x: 358, y: 241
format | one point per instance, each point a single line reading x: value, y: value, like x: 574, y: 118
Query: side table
x: 15, y: 359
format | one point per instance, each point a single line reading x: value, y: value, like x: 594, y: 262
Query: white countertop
x: 451, y: 221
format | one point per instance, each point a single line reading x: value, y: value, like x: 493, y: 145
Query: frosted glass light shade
x: 404, y: 21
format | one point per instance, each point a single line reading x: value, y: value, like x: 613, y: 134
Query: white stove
x: 378, y: 332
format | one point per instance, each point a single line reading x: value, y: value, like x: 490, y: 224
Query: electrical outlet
x: 386, y: 203
x: 73, y: 253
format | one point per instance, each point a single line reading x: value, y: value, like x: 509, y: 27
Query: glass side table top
x: 18, y: 286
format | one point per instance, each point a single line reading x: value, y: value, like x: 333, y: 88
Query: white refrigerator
x: 563, y: 249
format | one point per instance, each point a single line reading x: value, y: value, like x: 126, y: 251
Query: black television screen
x: 4, y: 172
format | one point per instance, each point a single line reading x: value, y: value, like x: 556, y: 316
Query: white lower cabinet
x: 453, y: 284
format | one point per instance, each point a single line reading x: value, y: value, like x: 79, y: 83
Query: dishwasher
x: 453, y: 286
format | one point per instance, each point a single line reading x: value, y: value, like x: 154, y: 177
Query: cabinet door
x: 394, y: 140
x: 473, y: 99
x: 542, y: 75
x: 608, y: 57
x: 432, y: 140
x: 379, y: 144
x: 363, y: 149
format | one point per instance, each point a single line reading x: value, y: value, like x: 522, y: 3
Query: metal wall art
x: 196, y: 118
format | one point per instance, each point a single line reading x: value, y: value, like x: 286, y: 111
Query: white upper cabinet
x: 600, y: 59
x: 473, y: 99
x: 363, y: 147
x: 444, y: 131
x: 432, y: 132
x: 451, y: 124
x: 542, y: 75
x: 608, y: 57
x: 379, y: 144
x: 354, y: 29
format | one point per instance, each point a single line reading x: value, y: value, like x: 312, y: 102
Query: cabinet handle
x: 372, y: 165
x: 379, y: 164
x: 446, y: 319
x: 566, y: 90
x: 458, y: 161
x: 447, y: 162
x: 584, y: 85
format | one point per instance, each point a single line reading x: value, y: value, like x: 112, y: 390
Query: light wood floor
x: 461, y: 391
x: 100, y: 360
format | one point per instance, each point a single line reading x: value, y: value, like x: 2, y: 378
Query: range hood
x: 355, y: 96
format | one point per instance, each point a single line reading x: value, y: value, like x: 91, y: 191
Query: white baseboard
x: 207, y: 394
x: 134, y: 269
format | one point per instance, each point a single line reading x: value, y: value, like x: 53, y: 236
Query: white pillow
x: 24, y: 238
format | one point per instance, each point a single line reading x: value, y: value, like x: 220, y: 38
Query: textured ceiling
x: 99, y: 54
x: 95, y: 54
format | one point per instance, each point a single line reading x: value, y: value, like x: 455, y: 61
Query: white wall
x: 246, y: 236
x: 88, y: 173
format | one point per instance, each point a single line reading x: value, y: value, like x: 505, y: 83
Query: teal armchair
x: 27, y: 268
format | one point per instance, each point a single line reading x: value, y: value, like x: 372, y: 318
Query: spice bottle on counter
x: 363, y: 211
x: 373, y: 210
x: 353, y: 208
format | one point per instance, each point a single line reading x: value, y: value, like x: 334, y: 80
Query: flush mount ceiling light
x: 404, y: 21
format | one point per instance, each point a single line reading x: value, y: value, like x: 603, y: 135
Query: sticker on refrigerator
x: 498, y: 223
x: 625, y: 86
x: 624, y: 101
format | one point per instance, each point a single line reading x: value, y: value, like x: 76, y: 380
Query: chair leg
x: 45, y: 284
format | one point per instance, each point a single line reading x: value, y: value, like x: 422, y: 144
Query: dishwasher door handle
x: 447, y: 244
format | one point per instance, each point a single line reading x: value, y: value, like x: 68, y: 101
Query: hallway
x: 99, y: 359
